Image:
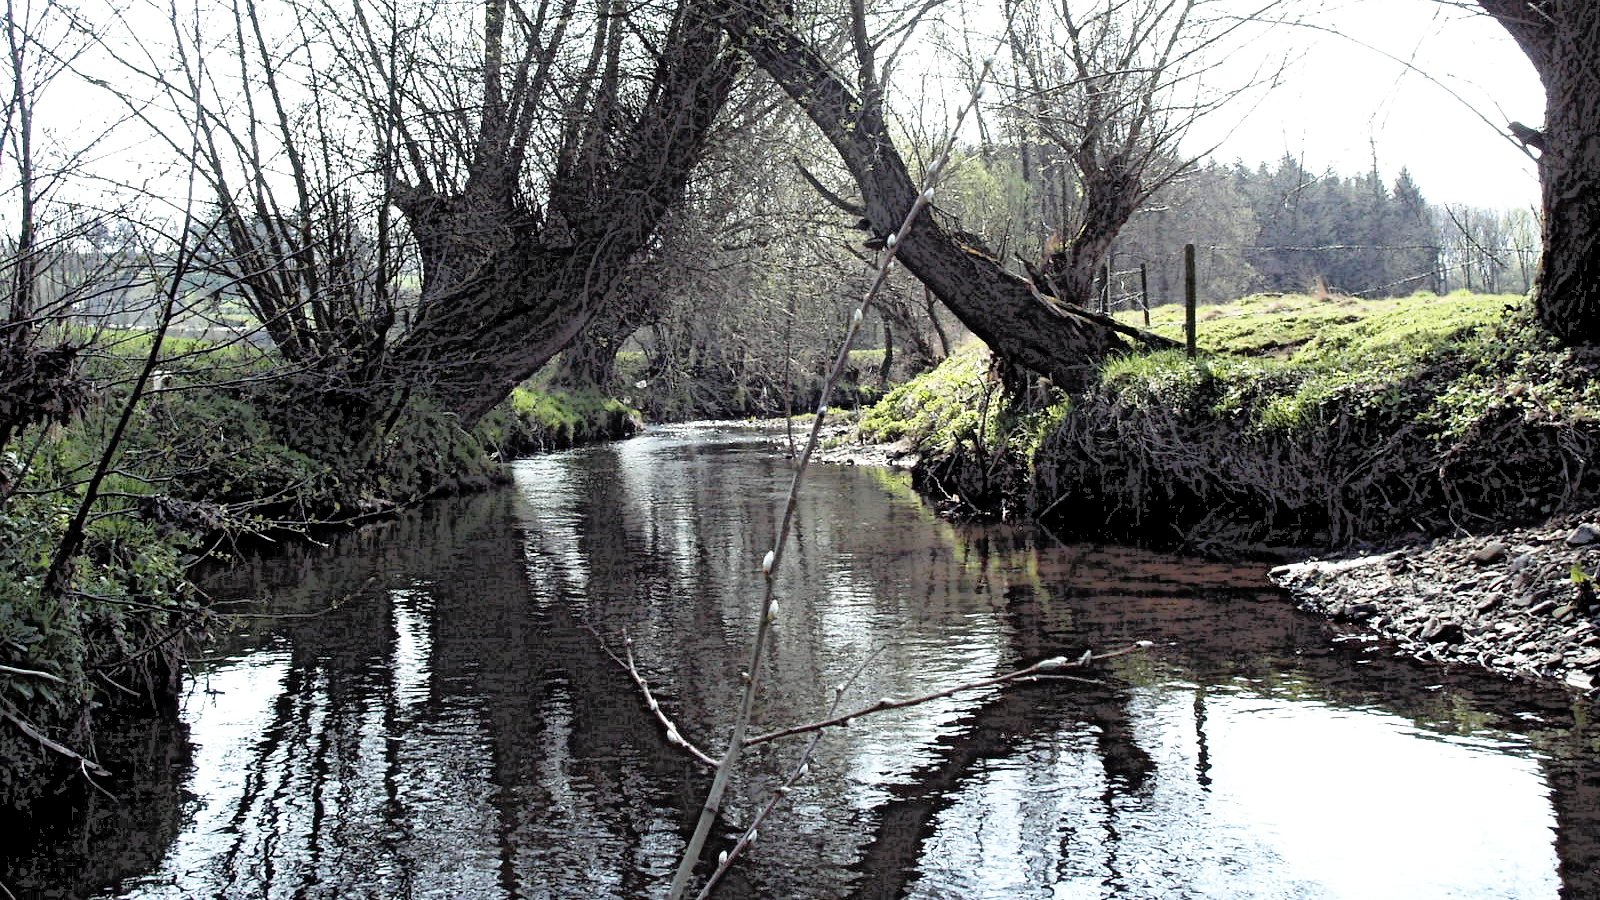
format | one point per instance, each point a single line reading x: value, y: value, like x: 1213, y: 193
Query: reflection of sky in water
x: 227, y: 709
x: 555, y: 558
x: 412, y: 638
x: 1297, y: 799
x: 472, y: 742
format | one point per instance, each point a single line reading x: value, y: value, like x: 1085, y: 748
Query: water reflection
x: 439, y: 722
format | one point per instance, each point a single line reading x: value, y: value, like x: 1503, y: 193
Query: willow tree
x: 414, y: 202
x: 1105, y: 98
x: 1100, y: 98
x: 1003, y: 309
x: 527, y: 222
x: 1562, y: 40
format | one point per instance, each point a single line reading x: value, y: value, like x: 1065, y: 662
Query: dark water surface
x: 451, y: 729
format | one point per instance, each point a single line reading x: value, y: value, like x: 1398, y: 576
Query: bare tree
x: 38, y: 373
x: 1101, y: 99
x: 1005, y: 311
x: 412, y: 204
x: 517, y: 252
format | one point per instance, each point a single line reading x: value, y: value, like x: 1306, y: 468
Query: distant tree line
x: 1283, y: 228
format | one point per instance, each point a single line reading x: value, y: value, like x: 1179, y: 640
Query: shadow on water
x: 429, y: 716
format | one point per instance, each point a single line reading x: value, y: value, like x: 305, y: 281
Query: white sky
x: 1341, y: 100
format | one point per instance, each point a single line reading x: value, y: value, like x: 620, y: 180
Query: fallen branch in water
x: 1044, y: 668
x: 84, y: 763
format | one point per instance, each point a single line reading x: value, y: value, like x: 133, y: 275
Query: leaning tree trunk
x: 504, y: 290
x: 590, y: 361
x: 1562, y: 40
x: 1007, y: 313
x: 483, y: 330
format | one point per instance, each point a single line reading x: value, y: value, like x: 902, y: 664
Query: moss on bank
x: 1330, y: 423
x: 538, y: 421
x: 975, y: 447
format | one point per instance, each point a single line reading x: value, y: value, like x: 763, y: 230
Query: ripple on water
x: 454, y: 730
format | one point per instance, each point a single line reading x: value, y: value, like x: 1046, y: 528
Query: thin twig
x: 674, y: 734
x: 35, y: 673
x: 796, y: 772
x: 725, y: 767
x: 1041, y: 669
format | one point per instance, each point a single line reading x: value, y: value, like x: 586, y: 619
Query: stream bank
x: 1403, y: 427
x: 1519, y: 602
x: 205, y: 469
x: 433, y: 717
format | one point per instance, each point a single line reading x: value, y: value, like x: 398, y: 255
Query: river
x: 427, y: 712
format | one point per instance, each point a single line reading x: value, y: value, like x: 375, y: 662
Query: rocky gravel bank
x: 1520, y: 602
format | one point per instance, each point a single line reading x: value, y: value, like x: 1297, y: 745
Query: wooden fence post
x: 1188, y: 298
x: 1144, y: 291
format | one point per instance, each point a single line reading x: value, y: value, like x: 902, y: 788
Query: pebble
x: 1442, y: 632
x: 1492, y: 552
x: 1583, y: 535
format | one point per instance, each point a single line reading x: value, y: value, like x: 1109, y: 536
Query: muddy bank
x: 1520, y: 602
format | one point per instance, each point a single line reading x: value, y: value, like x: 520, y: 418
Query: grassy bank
x: 538, y: 421
x: 208, y: 459
x: 1306, y: 421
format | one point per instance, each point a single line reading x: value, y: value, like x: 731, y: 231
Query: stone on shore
x: 1521, y: 603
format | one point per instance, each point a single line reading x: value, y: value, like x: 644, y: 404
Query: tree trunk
x: 1562, y: 40
x: 1006, y: 312
x: 489, y: 327
x: 1569, y: 276
x: 505, y: 288
x: 590, y: 361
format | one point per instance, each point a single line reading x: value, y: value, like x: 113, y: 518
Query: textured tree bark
x: 1562, y: 40
x: 1058, y: 339
x: 505, y: 286
x: 590, y: 361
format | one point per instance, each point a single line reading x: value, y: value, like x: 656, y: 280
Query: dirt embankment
x: 1521, y: 602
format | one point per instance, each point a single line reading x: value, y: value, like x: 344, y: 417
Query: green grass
x: 538, y: 419
x: 940, y: 407
x: 1281, y: 357
x: 1305, y: 420
x: 1284, y: 324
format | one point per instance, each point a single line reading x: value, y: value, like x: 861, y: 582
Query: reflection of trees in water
x: 889, y: 862
x: 1069, y: 598
x: 493, y: 784
x: 452, y: 723
x: 100, y: 840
